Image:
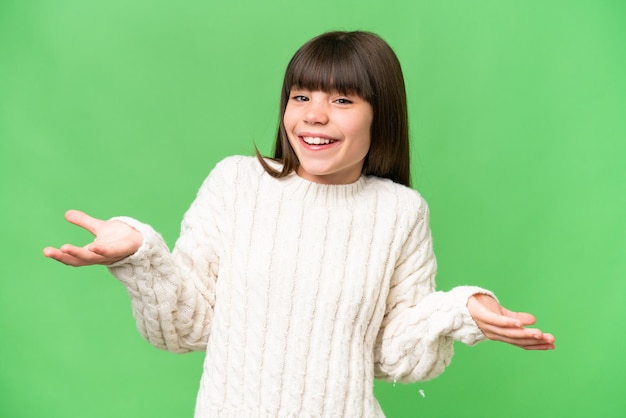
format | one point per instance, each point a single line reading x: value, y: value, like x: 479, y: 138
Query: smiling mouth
x: 317, y: 141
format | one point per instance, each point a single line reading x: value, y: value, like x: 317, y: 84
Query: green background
x: 517, y: 112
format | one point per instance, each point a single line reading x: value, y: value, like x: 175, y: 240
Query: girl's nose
x: 316, y: 113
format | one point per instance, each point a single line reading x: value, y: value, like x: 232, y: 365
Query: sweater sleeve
x: 420, y: 325
x: 173, y: 294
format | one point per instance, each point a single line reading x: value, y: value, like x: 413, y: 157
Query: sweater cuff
x: 468, y: 333
x: 149, y: 235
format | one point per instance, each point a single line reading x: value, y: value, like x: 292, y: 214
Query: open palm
x: 114, y: 240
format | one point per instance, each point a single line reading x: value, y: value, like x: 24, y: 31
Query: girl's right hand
x: 114, y: 240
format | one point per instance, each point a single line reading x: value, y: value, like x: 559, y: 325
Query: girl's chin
x: 325, y: 176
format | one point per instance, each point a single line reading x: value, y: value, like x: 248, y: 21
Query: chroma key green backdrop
x: 518, y: 113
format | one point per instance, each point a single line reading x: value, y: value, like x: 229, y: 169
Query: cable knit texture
x: 300, y: 293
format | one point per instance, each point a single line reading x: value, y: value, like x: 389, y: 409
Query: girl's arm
x: 172, y: 294
x: 420, y: 325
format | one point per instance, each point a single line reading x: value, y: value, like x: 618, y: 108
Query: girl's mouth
x: 317, y: 140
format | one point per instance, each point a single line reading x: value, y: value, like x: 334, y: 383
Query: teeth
x: 316, y: 141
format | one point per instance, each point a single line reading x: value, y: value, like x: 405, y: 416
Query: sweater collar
x: 298, y: 188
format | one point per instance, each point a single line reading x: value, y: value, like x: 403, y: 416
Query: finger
x: 108, y: 251
x: 524, y: 317
x: 495, y: 332
x: 85, y: 256
x: 49, y: 251
x: 83, y: 220
x: 540, y: 347
x: 494, y: 319
x: 537, y: 345
x: 523, y: 342
x: 62, y: 257
x: 78, y: 252
x: 524, y: 338
x: 543, y: 345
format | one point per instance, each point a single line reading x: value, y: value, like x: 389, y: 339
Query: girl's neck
x: 319, y: 194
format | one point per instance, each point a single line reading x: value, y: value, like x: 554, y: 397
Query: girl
x: 306, y: 276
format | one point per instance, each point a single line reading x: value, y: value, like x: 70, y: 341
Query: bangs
x: 330, y: 67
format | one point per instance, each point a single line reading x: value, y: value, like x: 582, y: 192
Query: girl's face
x: 329, y: 133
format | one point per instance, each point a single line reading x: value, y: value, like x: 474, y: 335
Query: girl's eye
x: 299, y: 98
x: 343, y: 100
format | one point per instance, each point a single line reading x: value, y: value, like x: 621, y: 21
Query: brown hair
x: 353, y: 63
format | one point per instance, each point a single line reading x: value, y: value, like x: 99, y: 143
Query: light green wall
x: 517, y: 111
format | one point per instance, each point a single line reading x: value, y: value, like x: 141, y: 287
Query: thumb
x: 83, y: 220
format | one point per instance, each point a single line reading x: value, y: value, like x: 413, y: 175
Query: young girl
x: 306, y: 276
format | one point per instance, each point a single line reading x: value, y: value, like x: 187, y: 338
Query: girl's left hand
x: 500, y: 324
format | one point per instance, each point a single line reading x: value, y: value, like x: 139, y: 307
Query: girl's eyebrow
x: 333, y: 91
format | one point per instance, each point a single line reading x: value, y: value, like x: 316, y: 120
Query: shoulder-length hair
x: 358, y: 63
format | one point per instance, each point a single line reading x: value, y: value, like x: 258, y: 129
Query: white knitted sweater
x: 301, y: 293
